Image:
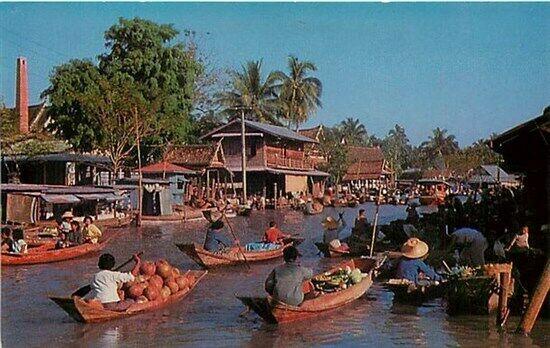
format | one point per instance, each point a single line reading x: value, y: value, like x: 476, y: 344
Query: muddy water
x: 210, y: 315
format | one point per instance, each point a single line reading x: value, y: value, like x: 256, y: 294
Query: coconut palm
x: 439, y: 144
x: 353, y: 131
x: 299, y: 94
x: 253, y: 94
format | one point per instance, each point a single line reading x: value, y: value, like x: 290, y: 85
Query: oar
x: 374, y: 225
x: 447, y: 267
x: 235, y: 237
x: 87, y: 288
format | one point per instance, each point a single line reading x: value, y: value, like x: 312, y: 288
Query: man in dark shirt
x: 215, y: 239
x: 285, y: 282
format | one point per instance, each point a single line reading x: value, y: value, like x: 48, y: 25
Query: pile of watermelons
x: 156, y: 281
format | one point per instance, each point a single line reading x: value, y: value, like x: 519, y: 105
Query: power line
x: 18, y: 35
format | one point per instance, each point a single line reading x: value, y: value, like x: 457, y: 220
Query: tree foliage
x: 397, y: 149
x: 299, y: 95
x: 439, y: 146
x: 140, y: 52
x: 335, y: 154
x: 353, y: 132
x: 252, y: 93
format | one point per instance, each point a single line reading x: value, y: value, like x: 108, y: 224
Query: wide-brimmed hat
x: 330, y: 223
x: 335, y: 244
x: 67, y: 215
x: 414, y: 248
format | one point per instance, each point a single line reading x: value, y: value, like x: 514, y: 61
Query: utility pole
x: 243, y: 155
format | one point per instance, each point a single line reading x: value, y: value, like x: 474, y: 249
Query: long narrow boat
x: 47, y: 253
x: 327, y: 251
x: 210, y: 259
x: 276, y: 312
x: 83, y: 312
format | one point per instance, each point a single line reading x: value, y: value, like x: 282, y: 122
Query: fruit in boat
x: 161, y: 262
x: 128, y: 285
x: 142, y: 299
x: 356, y: 276
x: 151, y: 292
x: 164, y: 270
x: 140, y: 278
x: 175, y: 272
x: 135, y: 291
x: 148, y: 268
x: 191, y: 279
x: 182, y: 282
x: 165, y: 292
x: 173, y: 286
x: 156, y: 281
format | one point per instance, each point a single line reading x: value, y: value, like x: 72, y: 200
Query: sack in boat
x: 261, y: 246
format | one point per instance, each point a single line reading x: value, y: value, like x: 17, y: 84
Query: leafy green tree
x: 299, y: 94
x: 251, y: 93
x: 440, y: 145
x: 139, y: 51
x: 353, y: 132
x: 397, y: 149
x: 336, y: 155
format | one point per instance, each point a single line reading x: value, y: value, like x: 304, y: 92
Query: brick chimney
x: 22, y: 95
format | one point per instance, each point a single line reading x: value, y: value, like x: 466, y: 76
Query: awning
x: 297, y: 172
x: 60, y: 199
x: 109, y: 197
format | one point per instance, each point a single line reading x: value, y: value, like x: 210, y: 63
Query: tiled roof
x: 195, y: 156
x: 366, y: 163
x: 312, y: 133
x: 166, y: 167
x: 436, y: 173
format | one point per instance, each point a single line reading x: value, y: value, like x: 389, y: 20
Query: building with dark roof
x: 367, y: 167
x: 276, y: 157
x: 312, y: 150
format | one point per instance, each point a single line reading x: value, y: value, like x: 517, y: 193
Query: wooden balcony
x: 291, y: 159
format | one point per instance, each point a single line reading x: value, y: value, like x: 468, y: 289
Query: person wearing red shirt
x: 273, y: 234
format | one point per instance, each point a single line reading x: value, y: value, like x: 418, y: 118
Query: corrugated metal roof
x: 64, y: 157
x: 60, y: 199
x: 278, y: 131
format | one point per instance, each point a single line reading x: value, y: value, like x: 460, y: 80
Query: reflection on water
x: 210, y: 315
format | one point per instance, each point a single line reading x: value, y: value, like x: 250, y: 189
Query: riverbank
x: 210, y: 315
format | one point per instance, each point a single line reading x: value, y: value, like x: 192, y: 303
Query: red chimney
x: 22, y: 95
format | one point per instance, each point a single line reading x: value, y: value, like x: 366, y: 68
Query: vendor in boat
x: 7, y: 240
x: 310, y: 209
x: 62, y: 242
x: 284, y: 283
x: 333, y: 229
x: 520, y: 241
x: 75, y: 234
x: 105, y: 283
x: 412, y: 214
x: 215, y: 239
x: 90, y: 232
x: 274, y: 235
x: 19, y: 244
x: 65, y: 224
x: 412, y: 265
x: 472, y: 244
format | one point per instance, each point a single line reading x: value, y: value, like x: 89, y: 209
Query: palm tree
x: 299, y: 94
x: 249, y: 92
x: 439, y: 144
x: 353, y: 131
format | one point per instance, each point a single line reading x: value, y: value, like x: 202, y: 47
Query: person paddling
x: 105, y: 283
x: 215, y: 240
x: 284, y: 283
x: 7, y: 240
x: 412, y: 265
x: 333, y: 228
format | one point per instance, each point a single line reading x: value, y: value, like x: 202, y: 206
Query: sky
x: 474, y: 69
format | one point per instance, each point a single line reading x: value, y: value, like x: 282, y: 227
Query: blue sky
x: 474, y: 69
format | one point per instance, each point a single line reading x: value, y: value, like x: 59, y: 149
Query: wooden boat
x: 209, y: 259
x: 433, y: 192
x: 83, y: 312
x: 274, y: 311
x: 244, y: 210
x: 327, y: 251
x: 46, y: 253
x: 415, y: 294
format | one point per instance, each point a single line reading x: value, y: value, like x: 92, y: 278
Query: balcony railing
x: 293, y: 159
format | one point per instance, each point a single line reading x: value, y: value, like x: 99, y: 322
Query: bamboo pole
x: 374, y: 225
x: 537, y: 300
x: 140, y: 175
x: 243, y: 154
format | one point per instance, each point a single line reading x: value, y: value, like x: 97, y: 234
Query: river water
x: 209, y: 316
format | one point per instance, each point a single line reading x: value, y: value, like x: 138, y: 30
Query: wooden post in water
x: 243, y: 155
x: 505, y: 276
x: 537, y: 300
x: 274, y: 195
x: 140, y: 174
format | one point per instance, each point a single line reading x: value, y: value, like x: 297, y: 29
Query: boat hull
x: 209, y: 259
x: 47, y: 254
x: 81, y: 311
x: 277, y: 312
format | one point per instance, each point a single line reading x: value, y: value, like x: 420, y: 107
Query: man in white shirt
x: 105, y: 283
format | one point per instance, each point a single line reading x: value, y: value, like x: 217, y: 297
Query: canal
x: 209, y: 316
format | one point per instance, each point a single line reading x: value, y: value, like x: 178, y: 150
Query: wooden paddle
x: 87, y: 288
x: 235, y: 237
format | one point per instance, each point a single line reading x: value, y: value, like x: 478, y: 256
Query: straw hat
x: 414, y: 248
x: 335, y: 244
x: 329, y: 223
x: 67, y: 215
